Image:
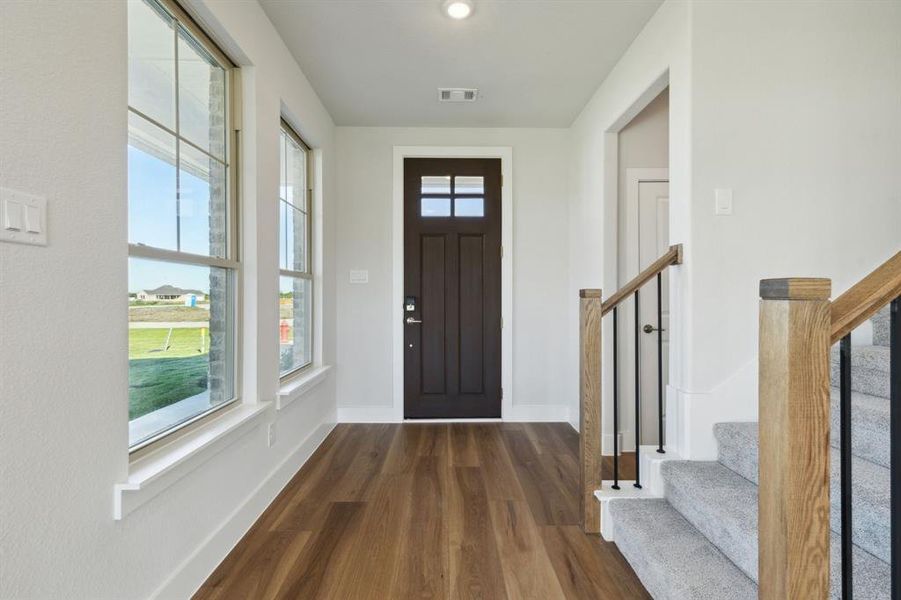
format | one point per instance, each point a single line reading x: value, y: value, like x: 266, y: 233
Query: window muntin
x: 182, y: 269
x: 295, y: 320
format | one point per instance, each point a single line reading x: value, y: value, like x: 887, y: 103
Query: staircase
x: 700, y: 540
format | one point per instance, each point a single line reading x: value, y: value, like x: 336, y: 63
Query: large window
x: 182, y: 266
x: 295, y: 306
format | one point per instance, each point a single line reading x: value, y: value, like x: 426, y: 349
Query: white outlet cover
x: 359, y: 276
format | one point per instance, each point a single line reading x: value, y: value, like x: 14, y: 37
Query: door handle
x: 648, y: 328
x: 412, y: 321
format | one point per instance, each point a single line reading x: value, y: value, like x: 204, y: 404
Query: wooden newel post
x: 793, y: 505
x: 590, y: 408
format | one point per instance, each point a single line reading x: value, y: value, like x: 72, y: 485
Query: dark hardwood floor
x: 481, y: 510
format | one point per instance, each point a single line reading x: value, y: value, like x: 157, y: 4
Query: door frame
x: 505, y: 154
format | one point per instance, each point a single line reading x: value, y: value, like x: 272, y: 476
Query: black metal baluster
x: 660, y: 364
x: 895, y: 435
x: 637, y: 399
x: 845, y: 457
x: 615, y: 408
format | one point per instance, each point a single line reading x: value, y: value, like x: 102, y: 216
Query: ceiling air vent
x: 458, y: 94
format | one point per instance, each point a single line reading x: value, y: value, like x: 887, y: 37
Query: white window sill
x: 295, y: 387
x: 151, y: 474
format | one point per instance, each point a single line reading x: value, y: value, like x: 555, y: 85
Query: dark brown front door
x: 452, y: 288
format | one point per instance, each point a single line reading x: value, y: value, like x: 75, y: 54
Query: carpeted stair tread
x: 869, y: 435
x: 871, y: 511
x: 737, y: 447
x: 869, y: 426
x: 869, y: 369
x: 673, y: 559
x: 722, y: 505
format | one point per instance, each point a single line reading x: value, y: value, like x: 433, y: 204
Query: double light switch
x: 23, y: 218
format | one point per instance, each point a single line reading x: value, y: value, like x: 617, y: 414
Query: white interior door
x: 653, y: 241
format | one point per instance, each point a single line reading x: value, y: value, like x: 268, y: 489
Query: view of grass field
x: 159, y: 376
x: 151, y: 343
x: 157, y: 383
x: 167, y: 313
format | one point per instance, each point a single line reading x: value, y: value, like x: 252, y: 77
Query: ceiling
x: 380, y: 62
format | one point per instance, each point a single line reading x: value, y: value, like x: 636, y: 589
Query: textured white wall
x: 63, y: 362
x: 795, y: 107
x: 365, y: 159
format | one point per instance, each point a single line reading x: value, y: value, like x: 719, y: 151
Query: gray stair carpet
x: 869, y: 369
x: 722, y: 506
x: 671, y: 557
x: 869, y: 426
x: 869, y: 435
x: 700, y: 542
x: 881, y: 327
x: 871, y: 486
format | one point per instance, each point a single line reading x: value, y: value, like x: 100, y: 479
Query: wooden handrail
x: 672, y: 257
x: 865, y: 298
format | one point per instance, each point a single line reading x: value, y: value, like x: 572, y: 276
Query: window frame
x: 307, y: 274
x: 232, y: 259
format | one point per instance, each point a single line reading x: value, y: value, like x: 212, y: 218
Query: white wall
x: 794, y: 106
x: 63, y: 365
x: 365, y: 159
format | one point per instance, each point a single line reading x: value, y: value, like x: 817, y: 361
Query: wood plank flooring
x: 475, y: 510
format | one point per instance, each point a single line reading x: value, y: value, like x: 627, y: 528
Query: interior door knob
x: 648, y: 328
x: 412, y: 321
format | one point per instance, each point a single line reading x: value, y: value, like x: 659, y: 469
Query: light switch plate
x: 359, y: 276
x: 723, y: 204
x: 23, y: 218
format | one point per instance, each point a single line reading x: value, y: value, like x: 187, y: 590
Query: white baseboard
x: 521, y: 413
x: 191, y: 574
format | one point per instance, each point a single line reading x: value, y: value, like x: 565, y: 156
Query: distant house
x: 169, y: 293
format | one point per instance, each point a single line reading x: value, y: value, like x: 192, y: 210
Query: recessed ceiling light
x: 458, y: 9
